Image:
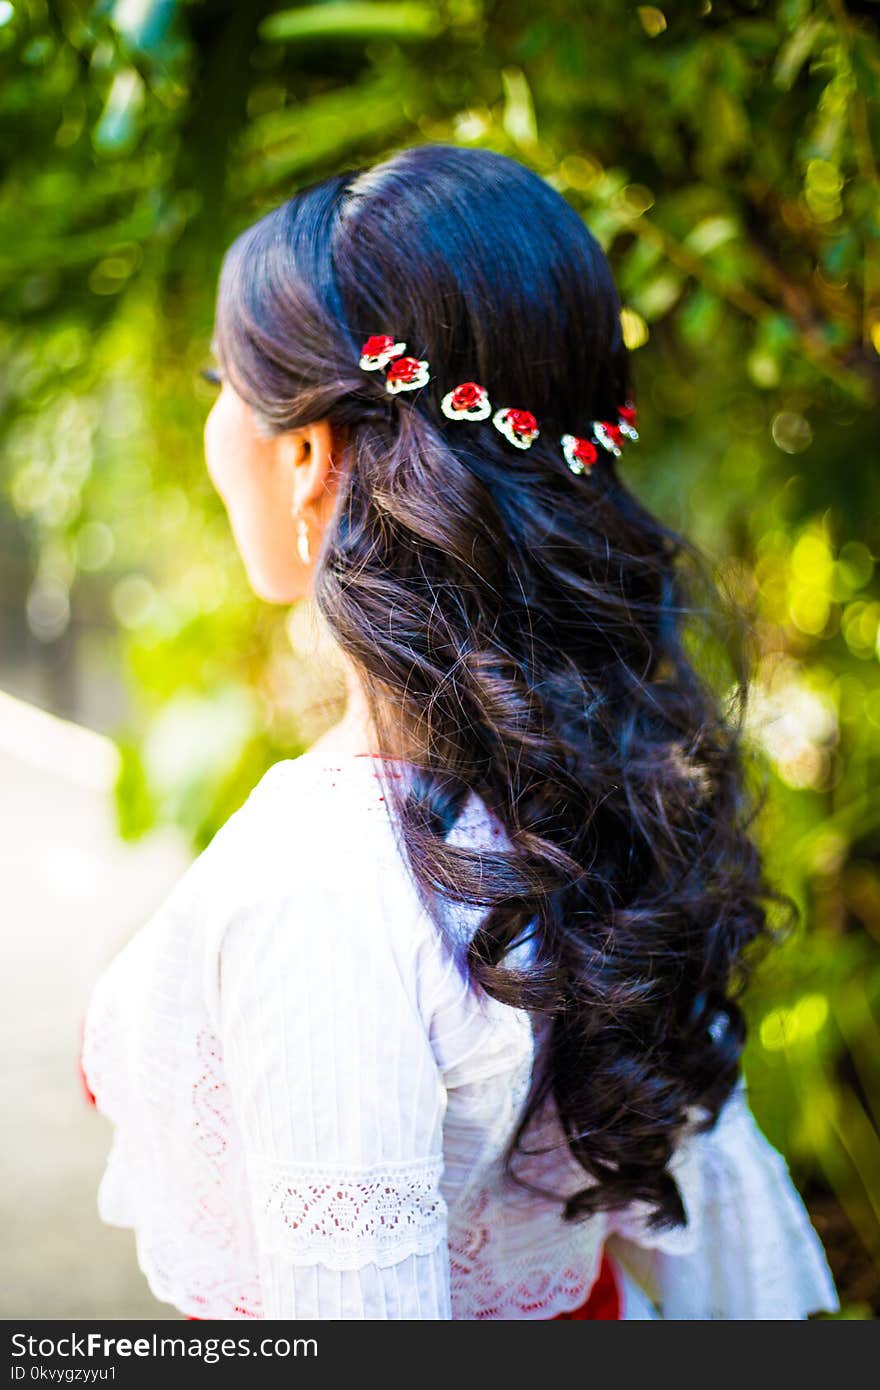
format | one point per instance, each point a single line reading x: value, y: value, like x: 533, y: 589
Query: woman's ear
x: 308, y: 455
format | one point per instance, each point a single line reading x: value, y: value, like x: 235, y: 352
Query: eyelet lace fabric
x: 349, y: 1217
x: 310, y: 1105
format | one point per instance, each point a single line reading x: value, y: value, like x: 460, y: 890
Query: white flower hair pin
x: 378, y: 351
x: 467, y: 402
x: 470, y: 401
x: 404, y: 373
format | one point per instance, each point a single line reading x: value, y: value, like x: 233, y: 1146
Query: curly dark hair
x: 519, y: 632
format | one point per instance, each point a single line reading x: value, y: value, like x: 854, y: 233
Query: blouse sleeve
x: 749, y: 1252
x: 340, y: 1104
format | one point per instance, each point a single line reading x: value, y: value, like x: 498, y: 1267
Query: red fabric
x: 84, y: 1085
x: 602, y: 1304
x: 603, y: 1300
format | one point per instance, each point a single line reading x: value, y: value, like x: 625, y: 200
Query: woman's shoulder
x: 317, y: 846
x: 298, y: 795
x: 306, y: 819
x: 304, y: 822
x: 343, y: 780
x: 311, y: 849
x: 329, y: 800
x: 314, y: 846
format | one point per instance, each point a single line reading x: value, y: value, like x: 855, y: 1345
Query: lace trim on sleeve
x: 347, y: 1218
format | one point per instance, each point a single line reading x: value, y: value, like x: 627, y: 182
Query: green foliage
x: 724, y: 154
x: 352, y: 23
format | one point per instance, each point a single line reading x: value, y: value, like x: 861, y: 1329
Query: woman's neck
x: 354, y: 733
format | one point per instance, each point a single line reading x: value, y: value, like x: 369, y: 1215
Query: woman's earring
x: 302, y: 540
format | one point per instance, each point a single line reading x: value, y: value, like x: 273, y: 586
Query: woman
x: 442, y: 1023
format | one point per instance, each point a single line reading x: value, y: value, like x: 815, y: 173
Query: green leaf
x: 700, y: 316
x: 117, y: 128
x: 657, y: 297
x: 406, y: 22
x: 711, y: 233
x: 313, y: 133
x: 135, y: 804
x: 795, y: 52
x: 519, y: 108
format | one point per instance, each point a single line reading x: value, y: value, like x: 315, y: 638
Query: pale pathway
x: 70, y: 893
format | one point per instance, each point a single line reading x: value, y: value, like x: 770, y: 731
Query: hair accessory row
x: 470, y: 401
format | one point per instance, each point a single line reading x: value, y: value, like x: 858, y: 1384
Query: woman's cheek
x: 250, y: 479
x: 211, y: 446
x: 231, y: 444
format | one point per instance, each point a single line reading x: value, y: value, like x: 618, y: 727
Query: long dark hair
x: 518, y: 630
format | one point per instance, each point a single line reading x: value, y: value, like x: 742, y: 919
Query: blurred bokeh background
x: 725, y: 154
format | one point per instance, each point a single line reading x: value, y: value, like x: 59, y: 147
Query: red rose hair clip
x: 519, y: 426
x: 404, y: 373
x: 580, y: 454
x: 378, y: 351
x: 470, y: 401
x: 467, y: 402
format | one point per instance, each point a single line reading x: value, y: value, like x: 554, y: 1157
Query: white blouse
x: 311, y: 1105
